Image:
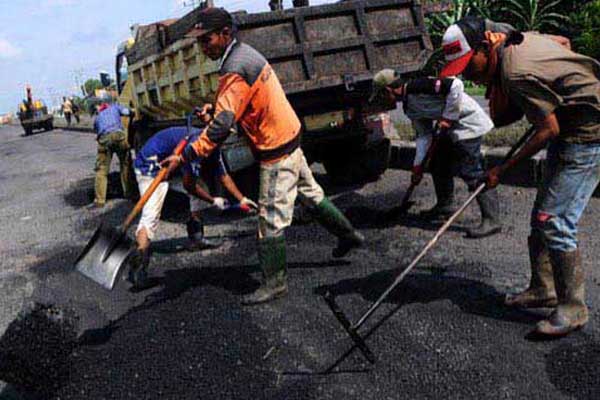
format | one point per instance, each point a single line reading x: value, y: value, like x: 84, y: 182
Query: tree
x: 91, y: 85
x: 587, y: 23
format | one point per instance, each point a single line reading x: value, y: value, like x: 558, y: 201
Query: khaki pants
x: 280, y: 183
x: 108, y: 144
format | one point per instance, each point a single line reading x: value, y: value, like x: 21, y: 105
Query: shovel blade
x: 345, y: 322
x: 94, y: 263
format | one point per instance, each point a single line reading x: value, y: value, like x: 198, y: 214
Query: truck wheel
x: 359, y: 167
x: 49, y: 126
x: 28, y: 130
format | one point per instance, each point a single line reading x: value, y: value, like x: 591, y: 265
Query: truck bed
x: 325, y: 56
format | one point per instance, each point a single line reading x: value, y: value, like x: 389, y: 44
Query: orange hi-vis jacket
x: 251, y: 96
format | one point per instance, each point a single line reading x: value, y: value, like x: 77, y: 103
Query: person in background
x: 112, y: 139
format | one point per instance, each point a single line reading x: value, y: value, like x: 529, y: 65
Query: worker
x: 75, y: 110
x: 462, y: 123
x: 147, y: 165
x: 111, y: 138
x: 558, y: 90
x: 67, y: 109
x: 251, y: 95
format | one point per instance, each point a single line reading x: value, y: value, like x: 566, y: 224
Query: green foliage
x: 92, y: 84
x: 587, y: 21
x: 535, y: 15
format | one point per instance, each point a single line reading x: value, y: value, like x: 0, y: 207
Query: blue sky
x: 49, y: 44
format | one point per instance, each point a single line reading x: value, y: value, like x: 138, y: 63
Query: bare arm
x: 194, y: 189
x: 231, y: 187
x: 546, y: 129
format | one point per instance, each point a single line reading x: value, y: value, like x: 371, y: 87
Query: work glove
x: 205, y: 113
x: 417, y: 175
x: 221, y: 203
x: 248, y: 206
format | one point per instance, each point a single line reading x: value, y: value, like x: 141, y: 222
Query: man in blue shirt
x: 147, y: 165
x: 111, y: 138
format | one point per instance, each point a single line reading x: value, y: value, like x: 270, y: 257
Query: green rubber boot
x: 337, y: 224
x: 571, y: 312
x: 138, y: 269
x: 541, y: 292
x: 271, y: 256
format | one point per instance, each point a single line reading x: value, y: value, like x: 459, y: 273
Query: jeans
x: 462, y: 158
x: 572, y: 172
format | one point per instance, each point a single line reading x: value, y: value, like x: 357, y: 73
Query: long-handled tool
x: 106, y: 252
x: 406, y: 203
x: 352, y: 328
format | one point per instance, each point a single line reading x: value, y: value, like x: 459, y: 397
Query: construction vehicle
x: 325, y: 57
x: 33, y: 114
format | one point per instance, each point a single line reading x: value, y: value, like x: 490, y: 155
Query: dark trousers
x: 462, y: 159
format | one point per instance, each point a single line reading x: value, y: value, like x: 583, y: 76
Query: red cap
x: 457, y: 51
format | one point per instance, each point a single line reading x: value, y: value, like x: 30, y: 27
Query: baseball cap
x: 381, y: 80
x: 209, y: 20
x: 458, y: 43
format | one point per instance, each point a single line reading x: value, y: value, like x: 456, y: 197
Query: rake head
x: 356, y: 338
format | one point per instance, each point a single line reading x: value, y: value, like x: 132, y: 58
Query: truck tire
x: 361, y: 166
x: 49, y: 126
x: 28, y: 130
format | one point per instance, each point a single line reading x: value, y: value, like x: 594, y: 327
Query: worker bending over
x: 147, y: 166
x: 440, y: 107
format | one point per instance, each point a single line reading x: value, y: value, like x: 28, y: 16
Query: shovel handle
x: 150, y: 191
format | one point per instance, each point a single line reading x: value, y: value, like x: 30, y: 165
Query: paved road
x: 444, y: 334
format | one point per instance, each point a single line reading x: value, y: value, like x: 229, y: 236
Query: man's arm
x: 194, y: 189
x: 546, y: 129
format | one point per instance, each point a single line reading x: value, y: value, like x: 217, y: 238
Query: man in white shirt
x: 461, y: 124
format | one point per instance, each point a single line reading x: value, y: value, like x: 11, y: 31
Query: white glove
x: 249, y: 203
x: 221, y: 203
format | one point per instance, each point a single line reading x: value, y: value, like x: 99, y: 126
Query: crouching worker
x: 251, y: 95
x: 461, y: 124
x: 147, y: 165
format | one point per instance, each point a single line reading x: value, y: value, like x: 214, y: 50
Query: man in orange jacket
x: 250, y: 95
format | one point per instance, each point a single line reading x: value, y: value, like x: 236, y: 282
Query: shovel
x: 352, y: 328
x: 105, y: 253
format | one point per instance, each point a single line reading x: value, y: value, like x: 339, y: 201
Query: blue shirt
x: 109, y: 119
x: 162, y: 145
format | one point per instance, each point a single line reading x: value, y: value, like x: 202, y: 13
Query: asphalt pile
x: 35, y: 349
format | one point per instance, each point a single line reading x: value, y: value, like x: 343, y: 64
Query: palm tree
x: 535, y: 15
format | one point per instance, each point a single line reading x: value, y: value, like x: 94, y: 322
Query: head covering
x: 381, y: 80
x: 209, y: 20
x: 459, y: 42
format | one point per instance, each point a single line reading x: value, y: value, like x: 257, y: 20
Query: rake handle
x: 150, y: 191
x: 439, y: 233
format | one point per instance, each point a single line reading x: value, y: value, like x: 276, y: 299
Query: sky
x: 54, y: 44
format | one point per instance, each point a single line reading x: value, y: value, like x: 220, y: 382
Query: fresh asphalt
x: 443, y: 333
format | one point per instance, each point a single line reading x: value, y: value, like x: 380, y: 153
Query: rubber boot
x: 490, y: 213
x: 138, y: 269
x: 271, y: 256
x: 337, y: 224
x: 197, y: 241
x: 444, y: 193
x: 541, y: 292
x: 571, y: 312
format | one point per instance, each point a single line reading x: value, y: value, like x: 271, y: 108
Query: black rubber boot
x: 541, y: 292
x: 271, y: 255
x: 138, y: 269
x: 197, y: 241
x: 490, y: 215
x: 444, y: 193
x: 337, y: 224
x: 571, y: 313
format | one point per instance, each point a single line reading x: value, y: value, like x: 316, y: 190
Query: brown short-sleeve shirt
x: 542, y: 77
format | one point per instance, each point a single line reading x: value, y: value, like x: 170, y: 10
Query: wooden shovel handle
x: 150, y: 191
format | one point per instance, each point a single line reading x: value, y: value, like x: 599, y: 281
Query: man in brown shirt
x: 559, y: 93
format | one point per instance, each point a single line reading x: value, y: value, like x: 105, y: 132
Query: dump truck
x: 325, y: 57
x: 33, y: 114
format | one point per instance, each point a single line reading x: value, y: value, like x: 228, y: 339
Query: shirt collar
x: 226, y: 53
